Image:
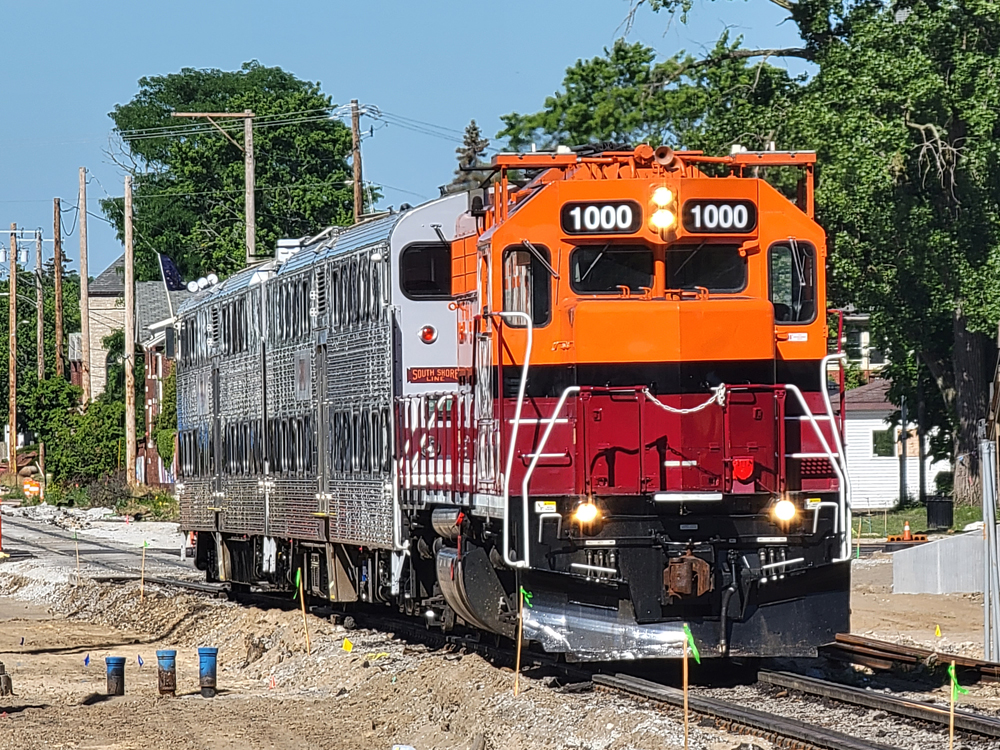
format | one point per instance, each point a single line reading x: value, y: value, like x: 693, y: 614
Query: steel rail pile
x: 884, y: 656
x: 965, y: 721
x: 779, y: 730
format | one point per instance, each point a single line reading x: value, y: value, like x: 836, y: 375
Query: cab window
x: 718, y: 268
x: 527, y: 284
x: 605, y: 269
x: 425, y: 271
x: 792, y: 269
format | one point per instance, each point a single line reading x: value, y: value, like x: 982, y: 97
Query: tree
x: 471, y: 172
x: 164, y: 430
x: 625, y: 96
x: 189, y: 186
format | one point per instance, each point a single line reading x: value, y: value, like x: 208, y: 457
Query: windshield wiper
x: 596, y: 261
x: 541, y: 258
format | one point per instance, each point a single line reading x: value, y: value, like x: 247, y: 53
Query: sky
x: 67, y: 63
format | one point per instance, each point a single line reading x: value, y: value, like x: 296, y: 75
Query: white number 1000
x: 723, y: 216
x: 602, y: 218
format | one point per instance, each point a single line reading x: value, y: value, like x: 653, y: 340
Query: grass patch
x: 154, y: 506
x: 880, y: 525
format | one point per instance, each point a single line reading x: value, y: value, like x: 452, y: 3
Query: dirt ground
x: 378, y: 693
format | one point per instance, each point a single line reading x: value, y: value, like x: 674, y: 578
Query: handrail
x: 503, y: 315
x: 845, y: 544
x: 534, y: 461
x: 841, y: 357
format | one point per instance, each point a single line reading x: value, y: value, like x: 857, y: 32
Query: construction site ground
x: 357, y: 689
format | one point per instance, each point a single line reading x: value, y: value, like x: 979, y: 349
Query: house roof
x: 111, y: 282
x: 152, y: 306
x: 873, y: 396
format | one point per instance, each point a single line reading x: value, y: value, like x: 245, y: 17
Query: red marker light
x: 428, y: 334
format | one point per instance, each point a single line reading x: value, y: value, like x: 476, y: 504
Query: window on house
x: 883, y: 443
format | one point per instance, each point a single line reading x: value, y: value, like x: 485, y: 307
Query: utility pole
x: 356, y: 159
x: 40, y: 328
x: 249, y: 167
x: 84, y: 288
x: 12, y: 356
x: 129, y: 339
x: 57, y: 257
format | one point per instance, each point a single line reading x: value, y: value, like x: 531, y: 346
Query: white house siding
x: 875, y: 479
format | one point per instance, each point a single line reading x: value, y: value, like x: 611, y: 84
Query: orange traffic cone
x: 907, y: 536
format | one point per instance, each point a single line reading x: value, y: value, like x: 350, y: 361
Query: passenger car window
x: 527, y: 284
x: 425, y: 271
x: 792, y: 270
x: 718, y: 268
x: 602, y: 269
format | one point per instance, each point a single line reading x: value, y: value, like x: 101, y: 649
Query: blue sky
x: 67, y: 63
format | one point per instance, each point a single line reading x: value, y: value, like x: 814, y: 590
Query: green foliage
x: 627, y: 97
x: 853, y: 377
x: 188, y: 199
x: 48, y: 405
x: 165, y: 427
x: 470, y: 156
x: 88, y: 445
x: 944, y: 483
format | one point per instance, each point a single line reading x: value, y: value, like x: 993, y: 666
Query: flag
x: 86, y: 660
x: 955, y: 687
x: 298, y: 582
x: 347, y: 645
x: 171, y: 276
x: 139, y: 659
x: 937, y: 630
x: 22, y: 640
x: 527, y: 596
x: 691, y: 644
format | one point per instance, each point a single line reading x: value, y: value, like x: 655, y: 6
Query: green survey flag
x: 527, y: 596
x: 298, y: 582
x: 955, y: 687
x: 691, y: 644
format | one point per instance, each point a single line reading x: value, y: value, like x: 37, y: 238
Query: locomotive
x: 602, y: 380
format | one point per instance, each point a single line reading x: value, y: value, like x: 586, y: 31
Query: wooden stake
x: 39, y: 321
x: 305, y: 623
x: 520, y: 633
x: 77, y: 543
x: 142, y: 574
x: 684, y: 672
x: 951, y: 712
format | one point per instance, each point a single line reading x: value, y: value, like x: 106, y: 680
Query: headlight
x: 586, y: 513
x: 662, y: 219
x: 784, y: 510
x: 663, y: 196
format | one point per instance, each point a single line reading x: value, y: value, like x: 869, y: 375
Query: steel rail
x: 932, y: 714
x: 779, y: 730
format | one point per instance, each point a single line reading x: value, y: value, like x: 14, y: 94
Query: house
x: 154, y: 313
x: 873, y: 449
x: 106, y: 296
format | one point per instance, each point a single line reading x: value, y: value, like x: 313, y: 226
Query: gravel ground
x: 102, y: 524
x: 357, y: 689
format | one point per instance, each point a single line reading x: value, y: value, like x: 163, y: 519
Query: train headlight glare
x: 586, y: 513
x: 663, y: 196
x: 662, y: 219
x: 784, y: 510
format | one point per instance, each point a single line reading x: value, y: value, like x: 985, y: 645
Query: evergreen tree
x: 472, y: 172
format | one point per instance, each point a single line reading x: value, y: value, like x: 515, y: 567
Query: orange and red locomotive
x: 607, y: 386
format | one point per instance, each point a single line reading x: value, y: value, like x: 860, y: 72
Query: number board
x: 719, y: 216
x: 610, y: 217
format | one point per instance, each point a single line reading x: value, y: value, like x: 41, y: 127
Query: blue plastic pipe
x: 207, y: 662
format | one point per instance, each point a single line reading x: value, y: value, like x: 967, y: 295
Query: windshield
x: 718, y: 268
x: 603, y: 269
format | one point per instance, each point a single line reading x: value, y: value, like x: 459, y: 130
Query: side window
x: 527, y: 284
x: 425, y: 271
x: 604, y: 269
x: 792, y: 271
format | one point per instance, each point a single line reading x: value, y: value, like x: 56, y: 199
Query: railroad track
x: 780, y: 731
x: 117, y: 572
x: 881, y: 655
x: 965, y: 721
